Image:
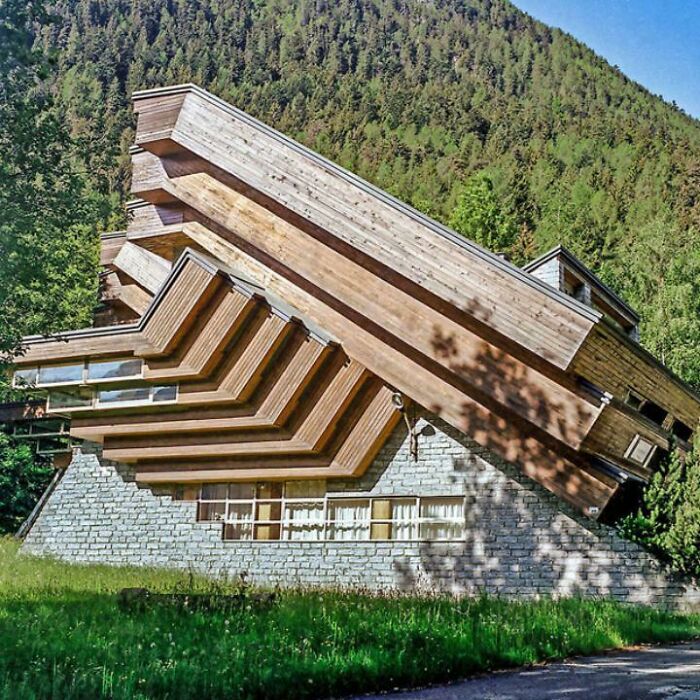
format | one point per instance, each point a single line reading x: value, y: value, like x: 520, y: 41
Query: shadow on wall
x: 522, y: 540
x: 524, y: 416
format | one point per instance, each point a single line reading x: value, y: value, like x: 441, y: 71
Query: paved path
x: 650, y: 673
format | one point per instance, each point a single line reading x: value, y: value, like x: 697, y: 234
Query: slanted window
x: 647, y: 408
x: 107, y: 370
x: 653, y: 412
x: 297, y: 512
x: 681, y: 430
x: 640, y: 451
x: 634, y: 400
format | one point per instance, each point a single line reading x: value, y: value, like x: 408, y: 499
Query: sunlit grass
x: 62, y: 635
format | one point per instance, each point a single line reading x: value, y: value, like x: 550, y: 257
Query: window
x: 107, y: 370
x: 64, y: 400
x: 301, y: 511
x: 164, y: 393
x: 640, y: 451
x: 141, y: 393
x: 681, y: 430
x: 26, y: 377
x: 441, y: 518
x: 634, y: 400
x: 61, y: 374
x: 647, y: 408
x: 136, y: 395
x: 653, y: 412
x: 348, y: 519
x: 52, y: 446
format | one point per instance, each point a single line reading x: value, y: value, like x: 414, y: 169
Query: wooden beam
x: 143, y: 266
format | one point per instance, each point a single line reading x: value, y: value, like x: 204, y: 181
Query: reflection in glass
x: 115, y: 369
x: 61, y: 374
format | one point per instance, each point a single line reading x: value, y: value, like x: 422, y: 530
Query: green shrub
x: 23, y: 479
x: 668, y: 521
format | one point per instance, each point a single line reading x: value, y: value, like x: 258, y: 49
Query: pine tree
x: 478, y: 215
x: 668, y: 521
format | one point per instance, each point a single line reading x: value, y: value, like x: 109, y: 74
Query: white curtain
x: 348, y: 519
x: 442, y: 518
x: 403, y: 514
x: 303, y: 520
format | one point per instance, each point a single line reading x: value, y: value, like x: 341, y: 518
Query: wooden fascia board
x: 106, y: 340
x: 439, y: 397
x: 457, y: 352
x: 311, y: 437
x: 612, y: 361
x: 197, y: 358
x: 143, y: 266
x: 110, y: 245
x: 368, y: 443
x: 215, y: 132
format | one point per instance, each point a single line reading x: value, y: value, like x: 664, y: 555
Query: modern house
x: 298, y: 377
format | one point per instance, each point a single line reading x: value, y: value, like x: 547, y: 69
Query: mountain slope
x: 425, y: 98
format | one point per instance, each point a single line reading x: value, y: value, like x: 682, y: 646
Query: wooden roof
x: 521, y: 368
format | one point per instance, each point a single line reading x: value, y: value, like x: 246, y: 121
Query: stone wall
x: 521, y: 540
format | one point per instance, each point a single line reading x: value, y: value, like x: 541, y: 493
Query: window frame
x: 324, y: 525
x: 84, y: 373
x: 633, y: 446
x: 137, y: 402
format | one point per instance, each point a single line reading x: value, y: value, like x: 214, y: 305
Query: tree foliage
x: 478, y: 215
x: 23, y: 478
x: 48, y: 245
x: 668, y: 521
x: 48, y: 248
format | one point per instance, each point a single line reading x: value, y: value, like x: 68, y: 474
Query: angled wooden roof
x: 523, y: 369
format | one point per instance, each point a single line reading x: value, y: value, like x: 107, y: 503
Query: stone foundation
x: 521, y: 540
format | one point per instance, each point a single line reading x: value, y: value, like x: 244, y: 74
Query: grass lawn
x: 63, y: 636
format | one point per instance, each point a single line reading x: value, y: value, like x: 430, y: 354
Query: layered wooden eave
x: 259, y: 386
x: 524, y: 370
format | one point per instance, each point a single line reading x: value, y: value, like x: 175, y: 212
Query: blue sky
x: 655, y: 42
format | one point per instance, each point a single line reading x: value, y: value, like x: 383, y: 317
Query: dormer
x: 560, y: 269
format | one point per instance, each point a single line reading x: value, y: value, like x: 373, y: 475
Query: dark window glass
x: 653, y: 412
x: 26, y: 377
x: 212, y: 512
x: 61, y: 374
x: 62, y: 399
x: 214, y: 492
x: 140, y: 393
x: 634, y: 401
x: 164, y: 393
x: 681, y: 430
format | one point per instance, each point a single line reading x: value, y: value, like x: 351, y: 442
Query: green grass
x: 63, y: 636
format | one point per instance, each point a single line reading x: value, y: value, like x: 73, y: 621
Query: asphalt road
x: 649, y: 673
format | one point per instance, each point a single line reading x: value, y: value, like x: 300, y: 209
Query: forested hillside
x: 517, y: 134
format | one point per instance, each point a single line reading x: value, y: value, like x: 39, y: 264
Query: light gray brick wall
x: 521, y: 540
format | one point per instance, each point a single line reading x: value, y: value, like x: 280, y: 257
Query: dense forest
x: 448, y: 104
